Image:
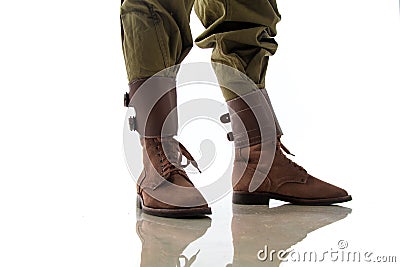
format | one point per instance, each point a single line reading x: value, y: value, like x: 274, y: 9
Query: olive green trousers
x: 156, y: 35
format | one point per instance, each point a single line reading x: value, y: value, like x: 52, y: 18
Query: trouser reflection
x: 253, y: 228
x: 156, y: 35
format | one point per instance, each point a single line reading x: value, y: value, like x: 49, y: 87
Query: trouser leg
x: 155, y: 35
x: 241, y: 33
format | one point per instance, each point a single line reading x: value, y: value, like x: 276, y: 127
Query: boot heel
x: 138, y: 202
x: 250, y: 198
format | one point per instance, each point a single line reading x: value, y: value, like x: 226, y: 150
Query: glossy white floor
x: 67, y: 198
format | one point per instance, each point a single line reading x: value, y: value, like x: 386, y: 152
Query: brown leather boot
x: 164, y: 189
x: 283, y: 179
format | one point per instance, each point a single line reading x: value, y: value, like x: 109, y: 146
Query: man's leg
x: 241, y: 33
x: 155, y: 36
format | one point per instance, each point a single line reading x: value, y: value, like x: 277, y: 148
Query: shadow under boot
x: 255, y: 227
x: 164, y: 239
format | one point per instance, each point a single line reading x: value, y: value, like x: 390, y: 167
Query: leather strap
x: 154, y: 101
x: 250, y: 117
x: 279, y: 131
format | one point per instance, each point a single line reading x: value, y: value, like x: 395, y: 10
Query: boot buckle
x: 132, y: 123
x: 126, y: 100
x: 230, y: 136
x: 225, y: 118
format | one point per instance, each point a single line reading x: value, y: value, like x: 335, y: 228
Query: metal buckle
x: 225, y: 118
x: 132, y: 123
x: 126, y: 99
x: 229, y: 136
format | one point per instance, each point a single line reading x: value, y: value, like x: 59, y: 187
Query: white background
x: 66, y: 197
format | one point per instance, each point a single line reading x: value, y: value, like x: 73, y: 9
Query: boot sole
x: 196, y: 212
x: 246, y: 198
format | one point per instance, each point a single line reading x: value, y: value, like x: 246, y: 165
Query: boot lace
x: 168, y: 167
x: 281, y: 147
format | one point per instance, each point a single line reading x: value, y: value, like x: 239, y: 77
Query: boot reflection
x: 254, y: 227
x: 164, y: 239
